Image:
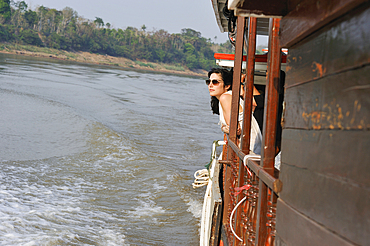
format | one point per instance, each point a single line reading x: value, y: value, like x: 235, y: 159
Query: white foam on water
x: 146, y: 209
x: 188, y: 196
x: 30, y: 243
x: 112, y: 238
x: 159, y: 187
x: 44, y: 204
x: 195, y: 207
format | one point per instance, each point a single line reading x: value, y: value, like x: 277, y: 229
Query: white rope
x: 231, y: 219
x: 251, y: 157
x: 255, y: 157
x: 201, y: 178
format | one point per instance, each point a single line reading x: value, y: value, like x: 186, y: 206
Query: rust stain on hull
x: 332, y: 117
x: 318, y: 68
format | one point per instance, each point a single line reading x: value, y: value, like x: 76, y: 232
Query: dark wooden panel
x: 264, y: 7
x: 293, y: 228
x: 339, y: 206
x: 340, y: 101
x: 309, y: 15
x: 343, y: 155
x: 342, y: 45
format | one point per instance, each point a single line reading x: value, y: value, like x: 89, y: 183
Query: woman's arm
x: 225, y: 101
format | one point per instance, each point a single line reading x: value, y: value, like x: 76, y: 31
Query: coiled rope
x: 201, y: 178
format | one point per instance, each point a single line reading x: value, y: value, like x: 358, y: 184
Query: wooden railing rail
x: 273, y: 183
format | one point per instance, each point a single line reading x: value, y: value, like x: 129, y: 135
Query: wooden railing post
x: 269, y: 125
x: 232, y: 171
x: 247, y: 118
x: 238, y: 60
x: 248, y: 90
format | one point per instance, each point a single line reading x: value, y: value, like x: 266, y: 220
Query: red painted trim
x: 259, y: 58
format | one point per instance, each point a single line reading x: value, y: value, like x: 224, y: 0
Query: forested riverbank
x: 72, y: 35
x: 88, y: 57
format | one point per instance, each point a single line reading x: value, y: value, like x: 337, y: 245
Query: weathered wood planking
x: 340, y: 46
x: 340, y: 101
x: 307, y: 16
x: 326, y: 139
x: 291, y: 225
x: 344, y: 155
x: 340, y: 206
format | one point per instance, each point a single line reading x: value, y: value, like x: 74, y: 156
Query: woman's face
x: 220, y: 88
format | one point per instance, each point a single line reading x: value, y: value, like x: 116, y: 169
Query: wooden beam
x: 262, y: 8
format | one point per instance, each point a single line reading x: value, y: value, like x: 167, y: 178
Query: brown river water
x: 96, y: 155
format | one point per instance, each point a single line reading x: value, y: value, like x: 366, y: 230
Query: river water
x: 97, y: 155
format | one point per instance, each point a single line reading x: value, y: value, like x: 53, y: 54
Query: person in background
x: 258, y: 101
x: 257, y: 115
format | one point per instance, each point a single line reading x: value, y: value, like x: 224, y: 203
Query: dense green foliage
x: 66, y: 30
x: 4, y: 10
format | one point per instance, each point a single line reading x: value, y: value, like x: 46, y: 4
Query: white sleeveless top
x: 256, y: 136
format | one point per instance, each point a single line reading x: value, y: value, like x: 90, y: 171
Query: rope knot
x: 238, y: 190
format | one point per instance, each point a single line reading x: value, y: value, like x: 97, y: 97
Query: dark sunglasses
x: 213, y: 81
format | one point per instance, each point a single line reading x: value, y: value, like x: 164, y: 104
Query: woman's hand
x: 225, y: 129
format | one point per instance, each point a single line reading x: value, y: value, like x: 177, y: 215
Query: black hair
x: 227, y: 77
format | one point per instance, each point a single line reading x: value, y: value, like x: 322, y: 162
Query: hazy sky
x: 170, y: 15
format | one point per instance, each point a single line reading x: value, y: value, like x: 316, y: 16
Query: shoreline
x: 97, y: 59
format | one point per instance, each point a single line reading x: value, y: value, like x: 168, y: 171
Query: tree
x: 4, y: 33
x: 99, y: 22
x: 190, y: 33
x: 31, y: 18
x: 143, y: 27
x: 29, y: 36
x: 5, y: 11
x: 22, y: 6
x: 68, y: 15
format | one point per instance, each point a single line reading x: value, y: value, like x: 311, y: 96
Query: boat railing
x: 251, y: 183
x: 252, y: 221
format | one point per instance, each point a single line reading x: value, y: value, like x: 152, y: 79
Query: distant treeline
x: 66, y: 30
